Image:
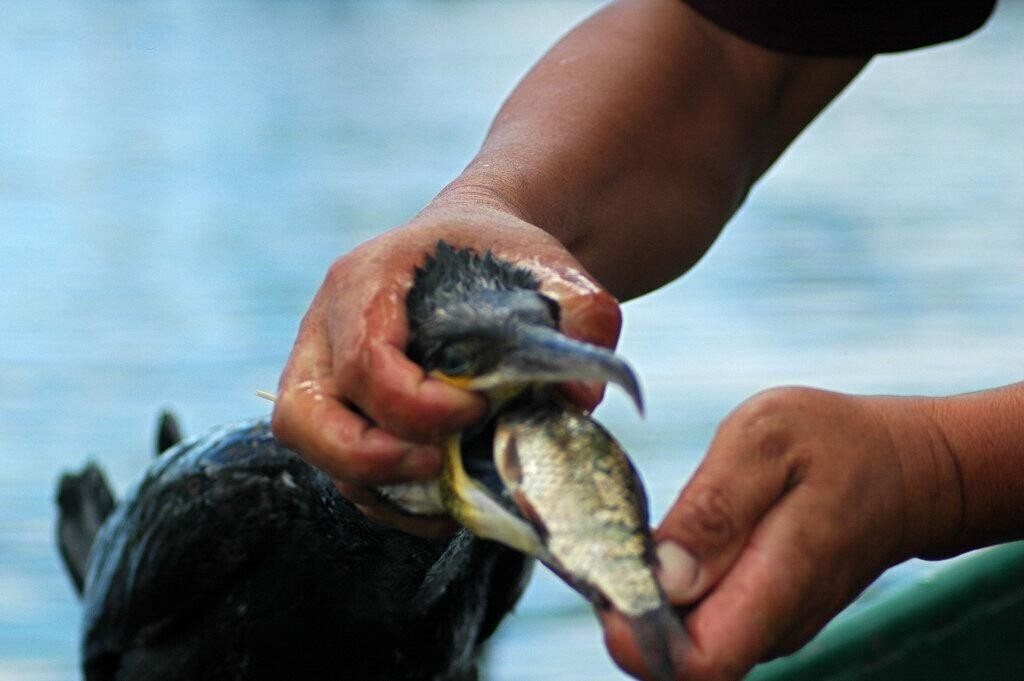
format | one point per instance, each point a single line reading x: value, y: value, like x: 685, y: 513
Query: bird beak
x: 544, y: 355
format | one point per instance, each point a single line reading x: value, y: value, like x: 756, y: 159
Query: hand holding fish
x: 806, y: 496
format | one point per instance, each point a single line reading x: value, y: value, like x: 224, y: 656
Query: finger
x: 344, y: 445
x: 400, y: 398
x: 357, y: 494
x: 428, y: 528
x: 592, y: 317
x: 586, y: 395
x: 623, y: 647
x: 772, y: 598
x: 618, y: 639
x: 368, y: 502
x: 438, y: 527
x: 769, y: 602
x: 309, y: 418
x: 746, y: 471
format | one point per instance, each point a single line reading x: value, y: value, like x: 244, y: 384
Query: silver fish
x: 574, y: 484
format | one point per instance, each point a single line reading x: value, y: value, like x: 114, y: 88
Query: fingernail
x: 591, y: 393
x: 679, y: 572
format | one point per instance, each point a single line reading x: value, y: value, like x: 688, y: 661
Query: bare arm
x: 982, y: 434
x: 638, y: 135
x: 622, y: 154
x: 627, y: 147
x: 806, y: 496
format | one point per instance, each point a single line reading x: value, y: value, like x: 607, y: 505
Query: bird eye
x: 553, y: 309
x: 454, y: 361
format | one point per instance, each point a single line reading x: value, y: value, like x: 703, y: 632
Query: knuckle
x: 768, y: 423
x: 294, y: 429
x: 348, y: 463
x: 397, y: 405
x: 375, y: 373
x: 361, y: 381
x: 336, y: 272
x: 360, y: 469
x: 392, y: 411
x: 776, y: 402
x: 282, y: 425
x: 705, y: 520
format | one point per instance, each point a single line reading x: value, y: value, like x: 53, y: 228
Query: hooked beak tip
x: 633, y: 389
x: 547, y: 356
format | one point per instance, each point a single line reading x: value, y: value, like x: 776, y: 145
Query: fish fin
x: 663, y: 641
x: 85, y: 501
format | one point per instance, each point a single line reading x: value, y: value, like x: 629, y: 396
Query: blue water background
x: 175, y: 178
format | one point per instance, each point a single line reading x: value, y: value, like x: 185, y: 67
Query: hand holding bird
x: 355, y: 405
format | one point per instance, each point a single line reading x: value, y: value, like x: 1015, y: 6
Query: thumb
x: 743, y: 475
x: 593, y: 317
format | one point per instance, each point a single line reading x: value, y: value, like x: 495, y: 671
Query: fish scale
x: 575, y: 483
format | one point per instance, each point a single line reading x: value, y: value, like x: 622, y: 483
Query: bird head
x: 481, y: 323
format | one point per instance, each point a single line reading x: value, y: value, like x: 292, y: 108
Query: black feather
x: 234, y: 559
x: 85, y: 501
x: 168, y: 431
x: 455, y: 275
x: 459, y: 293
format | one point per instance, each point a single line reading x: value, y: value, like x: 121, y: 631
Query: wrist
x: 479, y: 210
x: 932, y: 486
x: 983, y: 432
x: 483, y: 192
x: 469, y: 214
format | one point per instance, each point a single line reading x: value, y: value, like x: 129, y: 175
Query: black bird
x: 234, y: 559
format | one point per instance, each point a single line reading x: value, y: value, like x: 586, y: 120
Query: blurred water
x: 175, y: 177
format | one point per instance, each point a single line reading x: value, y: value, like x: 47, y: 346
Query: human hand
x: 350, y: 401
x: 804, y: 498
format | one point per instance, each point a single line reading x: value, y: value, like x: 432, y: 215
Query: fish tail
x: 663, y: 641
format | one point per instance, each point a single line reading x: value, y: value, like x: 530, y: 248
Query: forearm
x: 962, y: 464
x: 984, y: 433
x: 636, y: 137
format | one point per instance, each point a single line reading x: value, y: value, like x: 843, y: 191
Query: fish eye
x: 454, y: 360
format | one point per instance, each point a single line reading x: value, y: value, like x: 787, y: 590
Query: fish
x: 574, y: 484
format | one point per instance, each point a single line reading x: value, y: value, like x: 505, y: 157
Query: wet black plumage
x: 234, y: 559
x: 460, y: 294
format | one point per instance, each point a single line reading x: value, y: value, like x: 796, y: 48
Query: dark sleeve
x: 845, y: 27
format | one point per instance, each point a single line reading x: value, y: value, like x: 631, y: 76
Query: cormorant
x: 234, y: 559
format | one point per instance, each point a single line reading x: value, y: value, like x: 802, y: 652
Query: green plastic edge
x: 964, y: 622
